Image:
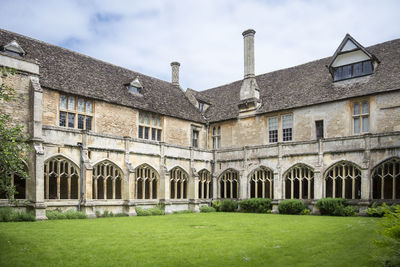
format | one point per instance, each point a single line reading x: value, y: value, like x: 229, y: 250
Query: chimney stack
x: 248, y: 37
x: 175, y: 73
x: 249, y: 92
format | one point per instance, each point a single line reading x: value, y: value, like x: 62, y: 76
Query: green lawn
x: 213, y: 239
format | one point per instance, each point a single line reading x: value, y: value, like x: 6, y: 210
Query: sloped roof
x: 307, y: 84
x: 74, y: 73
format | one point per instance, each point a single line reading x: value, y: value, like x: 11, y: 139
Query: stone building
x: 108, y: 138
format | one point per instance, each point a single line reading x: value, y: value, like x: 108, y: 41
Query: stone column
x: 214, y: 186
x: 318, y: 184
x: 194, y: 192
x: 35, y: 184
x: 365, y: 185
x: 243, y: 185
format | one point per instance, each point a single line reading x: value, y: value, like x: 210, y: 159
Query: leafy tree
x: 13, y: 145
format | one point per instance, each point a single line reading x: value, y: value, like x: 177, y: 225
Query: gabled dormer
x: 134, y: 87
x: 13, y: 48
x: 351, y: 60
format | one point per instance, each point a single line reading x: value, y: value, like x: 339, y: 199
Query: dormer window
x: 353, y: 70
x: 14, y: 49
x: 134, y: 87
x: 201, y: 106
x: 351, y: 60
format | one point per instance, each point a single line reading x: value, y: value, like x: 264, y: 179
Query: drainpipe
x: 208, y: 128
x: 212, y: 177
x: 81, y: 175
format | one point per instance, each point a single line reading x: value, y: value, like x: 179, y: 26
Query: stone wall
x: 337, y: 118
x: 18, y: 107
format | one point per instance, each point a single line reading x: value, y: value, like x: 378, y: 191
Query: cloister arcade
x: 342, y: 179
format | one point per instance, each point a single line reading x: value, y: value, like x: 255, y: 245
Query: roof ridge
x: 81, y: 54
x: 288, y: 68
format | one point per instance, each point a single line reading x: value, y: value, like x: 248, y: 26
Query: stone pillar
x: 242, y: 185
x: 277, y: 185
x: 175, y: 73
x: 194, y: 202
x: 215, y: 186
x: 36, y: 182
x: 243, y: 176
x: 365, y: 185
x: 318, y: 185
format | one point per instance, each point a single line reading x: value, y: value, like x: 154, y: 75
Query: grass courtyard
x: 212, y: 239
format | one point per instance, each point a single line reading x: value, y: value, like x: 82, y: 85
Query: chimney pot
x: 175, y: 73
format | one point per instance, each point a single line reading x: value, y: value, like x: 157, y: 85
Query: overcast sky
x: 205, y: 36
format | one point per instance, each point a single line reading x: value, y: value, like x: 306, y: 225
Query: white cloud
x: 205, y: 36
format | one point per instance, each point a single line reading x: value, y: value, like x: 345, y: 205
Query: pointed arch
x: 228, y: 182
x: 205, y: 184
x: 107, y: 180
x: 299, y: 182
x: 343, y: 180
x: 146, y: 182
x: 261, y: 181
x: 61, y: 178
x: 179, y: 180
x: 385, y: 177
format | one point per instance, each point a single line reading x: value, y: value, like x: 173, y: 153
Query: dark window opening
x: 319, y: 127
x: 158, y: 135
x: 88, y: 123
x: 63, y: 118
x: 134, y: 89
x: 81, y: 120
x: 140, y: 131
x: 353, y: 70
x: 195, y: 141
x: 273, y: 136
x: 71, y: 120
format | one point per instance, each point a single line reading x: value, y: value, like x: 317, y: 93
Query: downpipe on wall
x: 81, y: 175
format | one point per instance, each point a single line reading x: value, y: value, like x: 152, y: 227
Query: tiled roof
x: 303, y: 85
x: 74, y: 73
x: 307, y: 84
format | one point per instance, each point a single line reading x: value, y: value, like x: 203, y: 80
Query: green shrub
x: 206, y: 209
x: 69, y: 214
x: 345, y: 211
x: 8, y: 214
x: 216, y: 204
x: 291, y: 206
x: 390, y: 235
x: 143, y: 212
x: 331, y: 206
x: 228, y: 205
x: 379, y: 211
x: 149, y: 212
x: 255, y: 205
x: 55, y: 215
x: 305, y: 212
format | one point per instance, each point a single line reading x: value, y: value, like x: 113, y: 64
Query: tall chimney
x: 248, y: 37
x: 175, y: 73
x: 249, y: 92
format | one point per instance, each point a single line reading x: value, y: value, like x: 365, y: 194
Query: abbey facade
x: 107, y: 138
